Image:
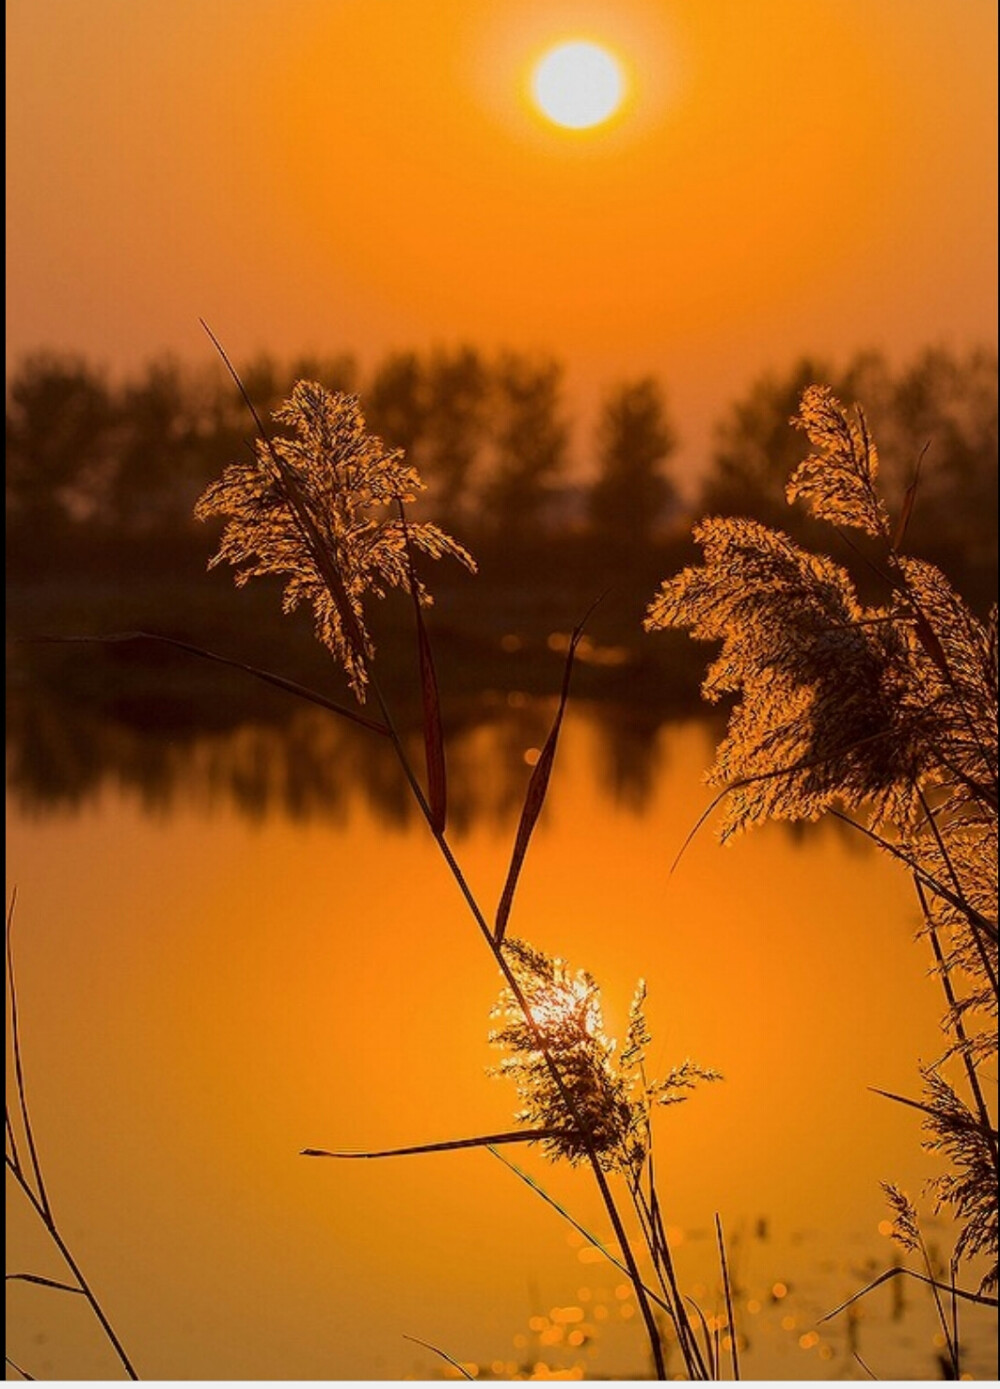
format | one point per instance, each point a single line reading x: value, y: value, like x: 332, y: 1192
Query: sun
x: 578, y: 84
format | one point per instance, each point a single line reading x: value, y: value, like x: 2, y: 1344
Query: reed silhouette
x: 883, y: 715
x: 319, y: 507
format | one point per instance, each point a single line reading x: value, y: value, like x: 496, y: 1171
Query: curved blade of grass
x: 980, y: 1298
x: 11, y: 1139
x: 772, y: 775
x: 279, y: 681
x: 45, y: 1282
x: 581, y: 1229
x: 710, y: 1347
x: 537, y: 787
x: 908, y: 501
x: 976, y: 918
x: 953, y: 1119
x: 438, y: 1351
x: 728, y: 1290
x: 867, y: 1368
x: 437, y: 781
x: 485, y: 1141
x: 22, y: 1099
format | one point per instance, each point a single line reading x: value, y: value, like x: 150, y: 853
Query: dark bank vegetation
x: 102, y: 476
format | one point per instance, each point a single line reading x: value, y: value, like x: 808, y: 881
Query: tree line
x: 94, y: 461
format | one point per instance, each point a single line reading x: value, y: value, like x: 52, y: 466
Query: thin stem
x: 46, y: 1218
x: 649, y: 1234
x: 650, y: 1218
x: 956, y: 884
x: 942, y: 1318
x: 497, y: 952
x: 918, y: 870
x: 11, y: 1139
x: 958, y: 1026
x: 867, y: 1369
x: 727, y: 1287
x: 952, y: 1271
x: 707, y: 1337
x: 22, y: 1100
x: 660, y: 1255
x: 442, y: 1353
x: 671, y: 1272
x: 588, y: 1235
x: 320, y: 544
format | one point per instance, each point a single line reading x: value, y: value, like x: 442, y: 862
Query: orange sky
x: 368, y: 174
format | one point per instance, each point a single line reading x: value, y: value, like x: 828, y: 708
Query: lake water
x: 244, y: 945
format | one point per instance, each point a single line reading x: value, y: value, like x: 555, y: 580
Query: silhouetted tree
x: 151, y: 487
x: 947, y: 405
x: 268, y: 381
x: 223, y: 429
x: 754, y: 451
x: 634, y: 440
x: 942, y: 402
x: 395, y: 403
x: 337, y: 371
x: 59, y: 426
x: 458, y: 387
x: 529, y: 439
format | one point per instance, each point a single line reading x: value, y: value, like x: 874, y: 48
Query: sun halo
x: 578, y: 84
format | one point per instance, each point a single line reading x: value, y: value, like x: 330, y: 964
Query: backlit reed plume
x: 613, y: 1097
x: 564, y: 1064
x: 320, y: 507
x: 884, y: 715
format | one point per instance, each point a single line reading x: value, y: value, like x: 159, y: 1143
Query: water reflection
x: 211, y: 992
x: 175, y: 735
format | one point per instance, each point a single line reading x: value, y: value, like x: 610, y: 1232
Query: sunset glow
x: 501, y: 508
x: 416, y: 193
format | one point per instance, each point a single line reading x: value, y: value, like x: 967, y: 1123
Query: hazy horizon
x: 370, y: 177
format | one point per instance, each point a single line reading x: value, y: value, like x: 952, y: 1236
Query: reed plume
x: 612, y: 1094
x: 883, y: 715
x: 319, y: 506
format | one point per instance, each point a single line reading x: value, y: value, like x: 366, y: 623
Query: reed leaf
x: 908, y: 503
x: 956, y: 1120
x: 710, y: 1349
x: 437, y: 778
x: 484, y: 1141
x: 728, y: 1290
x: 591, y: 1239
x: 436, y: 1350
x: 44, y: 1282
x: 267, y: 676
x: 537, y: 788
x: 981, y: 1299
